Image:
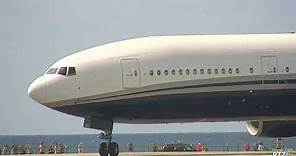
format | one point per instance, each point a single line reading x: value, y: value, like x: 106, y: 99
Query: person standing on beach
x: 80, y: 147
x: 130, y: 147
x: 279, y: 144
x: 29, y: 149
x: 199, y: 147
x: 41, y: 148
x: 4, y: 150
x: 260, y: 147
x: 11, y: 152
x: 226, y: 146
x: 65, y: 148
x: 55, y: 147
x: 247, y: 147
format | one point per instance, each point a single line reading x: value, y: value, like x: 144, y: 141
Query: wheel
x: 113, y: 149
x: 103, y: 150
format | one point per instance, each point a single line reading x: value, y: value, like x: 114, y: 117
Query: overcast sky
x: 36, y: 33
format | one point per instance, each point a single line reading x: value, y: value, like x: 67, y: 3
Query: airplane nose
x: 36, y: 90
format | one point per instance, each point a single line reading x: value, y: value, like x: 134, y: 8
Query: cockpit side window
x: 52, y: 71
x: 62, y: 71
x: 71, y: 71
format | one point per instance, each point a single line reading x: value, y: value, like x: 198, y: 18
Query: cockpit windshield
x: 52, y: 71
x: 62, y: 71
x: 71, y: 71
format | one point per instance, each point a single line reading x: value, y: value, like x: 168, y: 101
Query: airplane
x: 177, y: 79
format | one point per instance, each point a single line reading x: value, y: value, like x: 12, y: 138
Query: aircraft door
x: 130, y: 73
x: 269, y: 65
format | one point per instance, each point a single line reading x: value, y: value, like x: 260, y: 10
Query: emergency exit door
x: 130, y: 73
x: 269, y: 65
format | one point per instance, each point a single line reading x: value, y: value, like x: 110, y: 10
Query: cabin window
x: 173, y: 72
x: 62, y: 71
x: 274, y: 69
x: 180, y: 72
x: 202, y: 71
x: 230, y: 70
x: 166, y: 72
x: 287, y: 69
x: 216, y: 71
x: 158, y: 72
x: 194, y: 72
x: 151, y: 72
x: 237, y: 70
x: 209, y: 71
x: 52, y: 71
x: 71, y: 71
x: 187, y: 72
x: 223, y: 71
x: 251, y: 70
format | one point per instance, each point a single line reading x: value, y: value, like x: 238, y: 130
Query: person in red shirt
x: 199, y: 147
x: 247, y: 147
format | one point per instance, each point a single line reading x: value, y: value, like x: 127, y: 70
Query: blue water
x: 142, y: 142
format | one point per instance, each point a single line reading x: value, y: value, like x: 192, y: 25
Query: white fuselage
x: 169, y: 66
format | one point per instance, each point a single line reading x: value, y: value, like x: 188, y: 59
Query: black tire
x: 103, y: 150
x: 113, y: 149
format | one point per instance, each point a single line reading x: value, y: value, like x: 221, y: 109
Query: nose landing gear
x: 105, y: 124
x: 108, y: 147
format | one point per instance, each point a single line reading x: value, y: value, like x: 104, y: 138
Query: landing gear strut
x: 108, y: 147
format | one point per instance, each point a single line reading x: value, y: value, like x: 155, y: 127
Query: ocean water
x: 233, y: 141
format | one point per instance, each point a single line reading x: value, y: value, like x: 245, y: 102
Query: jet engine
x: 272, y: 128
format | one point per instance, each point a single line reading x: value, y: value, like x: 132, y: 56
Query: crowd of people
x: 254, y: 147
x: 279, y: 145
x: 16, y: 149
x: 55, y: 148
x: 58, y: 148
x: 201, y: 147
